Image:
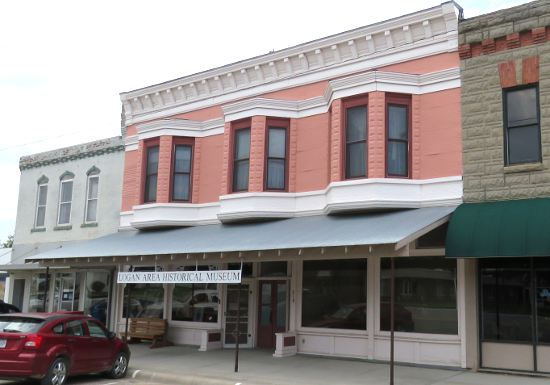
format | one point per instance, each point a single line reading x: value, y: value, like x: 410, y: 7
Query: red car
x: 52, y: 346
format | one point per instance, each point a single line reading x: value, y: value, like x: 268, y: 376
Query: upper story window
x: 65, y: 199
x: 276, y: 173
x: 92, y: 195
x: 151, y: 174
x: 522, y: 125
x: 241, y: 157
x: 41, y: 199
x: 181, y: 178
x: 356, y: 126
x: 397, y: 158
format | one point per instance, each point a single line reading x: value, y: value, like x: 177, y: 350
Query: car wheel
x: 120, y: 366
x: 57, y: 373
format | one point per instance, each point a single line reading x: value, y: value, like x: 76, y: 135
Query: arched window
x: 41, y: 198
x: 92, y: 194
x: 65, y: 198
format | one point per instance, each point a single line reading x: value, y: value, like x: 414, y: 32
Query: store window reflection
x: 334, y: 294
x: 38, y: 292
x: 195, y: 302
x: 425, y: 295
x: 96, y: 300
x: 146, y: 300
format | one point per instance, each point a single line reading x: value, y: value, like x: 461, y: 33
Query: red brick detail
x: 507, y: 71
x: 530, y: 70
x: 197, y: 154
x: 226, y: 174
x: 164, y: 170
x: 257, y: 154
x: 376, y: 135
x: 488, y: 46
x: 539, y: 35
x: 130, y: 186
x: 140, y: 172
x: 292, y: 154
x: 416, y: 131
x: 465, y: 51
x: 512, y: 40
x: 336, y: 141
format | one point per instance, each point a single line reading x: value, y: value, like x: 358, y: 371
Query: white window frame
x: 88, y: 199
x: 38, y: 205
x: 60, y: 202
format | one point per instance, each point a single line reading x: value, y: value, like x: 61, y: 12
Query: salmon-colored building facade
x: 307, y: 169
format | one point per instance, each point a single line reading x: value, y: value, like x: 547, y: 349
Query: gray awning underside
x: 302, y: 232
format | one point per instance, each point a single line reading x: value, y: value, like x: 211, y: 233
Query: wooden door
x: 272, y: 305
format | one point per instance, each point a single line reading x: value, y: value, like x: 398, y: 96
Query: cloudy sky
x: 63, y: 63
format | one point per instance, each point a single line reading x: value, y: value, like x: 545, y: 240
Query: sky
x: 64, y: 63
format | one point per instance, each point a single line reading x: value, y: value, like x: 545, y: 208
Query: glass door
x: 232, y: 310
x: 271, y: 312
x: 67, y: 291
x: 96, y: 297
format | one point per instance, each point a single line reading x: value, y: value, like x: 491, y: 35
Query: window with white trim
x: 41, y: 199
x: 65, y: 199
x: 92, y: 194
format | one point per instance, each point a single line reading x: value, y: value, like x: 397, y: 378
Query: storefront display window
x: 334, y: 294
x: 195, y: 302
x: 146, y: 300
x: 425, y: 295
x: 96, y: 300
x: 38, y: 292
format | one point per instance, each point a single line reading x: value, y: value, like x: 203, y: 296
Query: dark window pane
x: 356, y: 124
x: 240, y: 177
x: 398, y: 122
x: 151, y: 189
x: 146, y: 300
x: 523, y: 144
x: 397, y: 158
x: 273, y: 269
x: 543, y: 303
x: 195, y: 302
x: 506, y: 299
x: 182, y: 162
x: 66, y: 191
x: 334, y: 294
x: 42, y: 195
x: 356, y: 160
x: 247, y: 270
x: 425, y: 295
x: 277, y: 142
x: 181, y: 187
x: 242, y: 144
x: 276, y: 174
x: 522, y: 106
x: 152, y: 160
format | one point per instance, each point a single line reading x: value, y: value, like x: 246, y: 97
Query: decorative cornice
x: 62, y: 155
x: 412, y: 36
x: 361, y: 194
x: 345, y: 87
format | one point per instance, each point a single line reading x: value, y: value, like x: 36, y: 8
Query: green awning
x: 516, y: 228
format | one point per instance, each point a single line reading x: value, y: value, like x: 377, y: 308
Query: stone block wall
x: 503, y: 49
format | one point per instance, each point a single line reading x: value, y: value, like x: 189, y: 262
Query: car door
x: 78, y: 344
x: 101, y: 351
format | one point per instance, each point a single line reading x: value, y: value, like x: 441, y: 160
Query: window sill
x: 525, y: 167
x: 63, y: 227
x: 38, y: 230
x: 91, y: 224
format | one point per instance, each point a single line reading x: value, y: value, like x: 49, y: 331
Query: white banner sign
x: 213, y: 276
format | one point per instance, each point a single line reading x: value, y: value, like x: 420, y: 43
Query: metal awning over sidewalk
x: 516, y: 228
x: 394, y: 227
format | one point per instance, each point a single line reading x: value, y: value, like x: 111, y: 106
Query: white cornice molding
x: 361, y: 194
x: 409, y: 37
x: 345, y: 87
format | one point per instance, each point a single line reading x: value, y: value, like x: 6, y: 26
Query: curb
x: 151, y: 377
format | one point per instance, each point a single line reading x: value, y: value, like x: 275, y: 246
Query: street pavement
x: 85, y: 380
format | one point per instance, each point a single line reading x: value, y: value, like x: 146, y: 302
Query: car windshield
x: 20, y: 324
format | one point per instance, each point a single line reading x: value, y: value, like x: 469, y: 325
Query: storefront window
x: 334, y: 294
x: 506, y: 299
x: 66, y: 291
x: 146, y: 300
x: 425, y: 295
x: 274, y: 269
x: 96, y: 300
x: 195, y: 302
x: 38, y: 291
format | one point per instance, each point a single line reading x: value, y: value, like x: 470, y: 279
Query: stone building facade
x: 501, y: 230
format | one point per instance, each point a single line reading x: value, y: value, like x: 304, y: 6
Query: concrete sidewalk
x: 181, y: 365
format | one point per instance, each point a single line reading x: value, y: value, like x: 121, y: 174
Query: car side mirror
x: 111, y: 335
